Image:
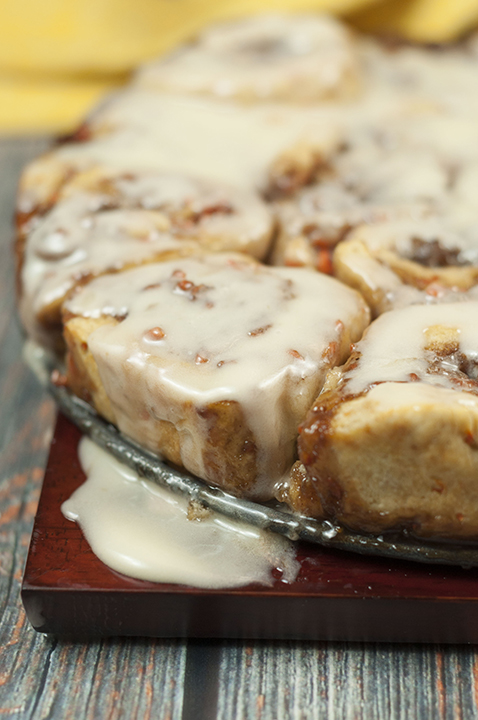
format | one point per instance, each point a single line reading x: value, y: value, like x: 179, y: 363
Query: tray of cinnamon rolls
x: 259, y: 263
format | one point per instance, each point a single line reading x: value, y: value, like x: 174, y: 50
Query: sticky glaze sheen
x: 200, y: 137
x: 395, y: 346
x: 142, y: 530
x: 105, y: 221
x: 297, y: 58
x: 219, y: 328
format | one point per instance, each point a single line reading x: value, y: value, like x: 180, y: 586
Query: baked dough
x: 384, y: 183
x: 373, y: 152
x: 369, y: 180
x: 410, y: 262
x: 273, y: 148
x: 103, y: 221
x: 408, y: 151
x: 290, y: 58
x: 320, y: 217
x: 391, y: 443
x: 211, y: 361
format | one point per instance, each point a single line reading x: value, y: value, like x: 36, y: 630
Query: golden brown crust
x: 84, y: 380
x: 229, y: 452
x: 300, y: 493
x: 386, y: 476
x: 388, y: 280
x: 380, y: 466
x: 417, y: 275
x: 82, y: 372
x: 345, y: 271
x: 293, y: 169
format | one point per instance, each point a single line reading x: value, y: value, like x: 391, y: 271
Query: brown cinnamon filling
x: 265, y: 48
x: 461, y: 371
x: 433, y: 254
x: 259, y: 330
x: 187, y: 287
x: 320, y: 237
x: 82, y: 134
x: 186, y: 217
x: 290, y: 173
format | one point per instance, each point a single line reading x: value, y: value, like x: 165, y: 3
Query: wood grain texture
x: 41, y: 677
x: 346, y: 681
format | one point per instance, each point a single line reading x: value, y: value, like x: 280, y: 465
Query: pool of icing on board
x: 142, y: 530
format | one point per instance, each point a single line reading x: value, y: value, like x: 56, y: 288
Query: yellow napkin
x: 435, y: 21
x: 57, y: 57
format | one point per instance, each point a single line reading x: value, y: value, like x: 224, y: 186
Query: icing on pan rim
x: 270, y: 516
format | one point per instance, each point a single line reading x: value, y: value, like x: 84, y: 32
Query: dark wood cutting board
x: 336, y: 596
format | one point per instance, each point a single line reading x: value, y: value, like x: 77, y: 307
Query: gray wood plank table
x: 44, y: 677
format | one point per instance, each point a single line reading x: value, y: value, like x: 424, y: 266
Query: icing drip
x: 433, y: 344
x: 147, y: 532
x: 104, y: 222
x: 220, y: 328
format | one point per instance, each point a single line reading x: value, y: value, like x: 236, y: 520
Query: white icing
x: 410, y: 153
x: 263, y: 331
x: 400, y: 179
x: 405, y: 147
x: 89, y: 232
x: 395, y: 345
x: 294, y: 57
x: 397, y: 236
x: 445, y: 77
x: 325, y: 213
x: 140, y: 529
x: 200, y: 137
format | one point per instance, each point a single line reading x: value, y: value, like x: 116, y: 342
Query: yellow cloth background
x: 57, y: 57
